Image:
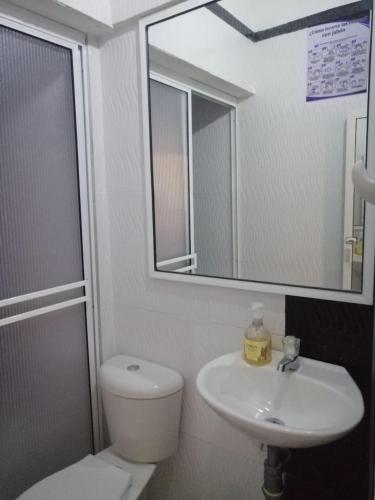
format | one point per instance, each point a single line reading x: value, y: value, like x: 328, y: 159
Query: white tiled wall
x: 123, y: 10
x: 97, y: 9
x: 179, y: 325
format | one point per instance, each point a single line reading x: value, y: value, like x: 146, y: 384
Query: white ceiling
x: 262, y: 14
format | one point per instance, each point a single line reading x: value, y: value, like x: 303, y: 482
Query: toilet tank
x: 142, y: 405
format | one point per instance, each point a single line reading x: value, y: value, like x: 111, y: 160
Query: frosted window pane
x: 169, y: 124
x: 40, y: 236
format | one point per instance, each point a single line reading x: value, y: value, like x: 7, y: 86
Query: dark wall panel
x: 338, y: 333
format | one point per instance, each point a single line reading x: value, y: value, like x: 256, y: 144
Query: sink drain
x: 274, y: 420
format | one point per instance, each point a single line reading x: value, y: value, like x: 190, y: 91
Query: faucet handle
x: 291, y: 346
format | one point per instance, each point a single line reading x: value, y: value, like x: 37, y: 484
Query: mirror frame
x: 364, y: 297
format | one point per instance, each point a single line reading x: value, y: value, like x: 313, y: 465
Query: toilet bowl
x: 142, y: 406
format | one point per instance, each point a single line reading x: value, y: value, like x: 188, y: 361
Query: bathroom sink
x: 314, y: 405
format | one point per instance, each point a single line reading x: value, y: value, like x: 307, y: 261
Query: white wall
x: 291, y: 173
x: 91, y: 17
x: 97, y: 9
x: 206, y: 41
x: 291, y: 153
x: 179, y: 325
x: 102, y: 13
x: 260, y: 15
x: 123, y: 10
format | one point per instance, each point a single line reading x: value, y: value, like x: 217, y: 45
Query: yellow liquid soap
x: 257, y: 351
x: 257, y: 341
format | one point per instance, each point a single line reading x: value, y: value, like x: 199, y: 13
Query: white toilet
x: 142, y: 405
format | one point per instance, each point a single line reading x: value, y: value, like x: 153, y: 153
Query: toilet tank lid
x: 138, y: 379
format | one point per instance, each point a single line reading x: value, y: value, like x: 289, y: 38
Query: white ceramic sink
x: 312, y: 406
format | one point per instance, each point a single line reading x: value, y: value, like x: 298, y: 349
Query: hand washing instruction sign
x: 337, y: 59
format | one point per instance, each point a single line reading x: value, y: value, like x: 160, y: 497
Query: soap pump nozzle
x: 257, y: 309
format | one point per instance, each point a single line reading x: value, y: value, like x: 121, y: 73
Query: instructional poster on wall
x: 337, y: 58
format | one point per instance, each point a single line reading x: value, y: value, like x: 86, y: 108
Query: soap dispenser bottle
x: 257, y: 343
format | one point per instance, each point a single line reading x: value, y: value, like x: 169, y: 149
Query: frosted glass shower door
x: 45, y: 407
x: 174, y: 237
x: 214, y: 176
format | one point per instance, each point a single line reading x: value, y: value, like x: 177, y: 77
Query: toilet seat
x: 88, y: 479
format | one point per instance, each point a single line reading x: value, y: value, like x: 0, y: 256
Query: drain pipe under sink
x: 273, y: 487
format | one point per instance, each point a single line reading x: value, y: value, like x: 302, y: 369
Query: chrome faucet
x: 290, y: 361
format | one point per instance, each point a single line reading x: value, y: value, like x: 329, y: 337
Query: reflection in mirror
x: 258, y: 114
x: 354, y: 213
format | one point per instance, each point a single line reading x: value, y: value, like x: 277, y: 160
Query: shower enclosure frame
x: 50, y: 31
x: 210, y: 94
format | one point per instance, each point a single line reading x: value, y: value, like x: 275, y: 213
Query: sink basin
x: 312, y: 406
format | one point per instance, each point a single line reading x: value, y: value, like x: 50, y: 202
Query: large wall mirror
x: 256, y: 114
